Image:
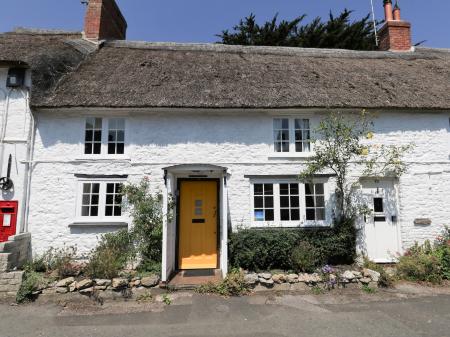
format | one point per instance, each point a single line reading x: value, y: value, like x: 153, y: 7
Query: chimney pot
x: 104, y: 21
x: 395, y: 35
x: 388, y: 10
x: 396, y: 13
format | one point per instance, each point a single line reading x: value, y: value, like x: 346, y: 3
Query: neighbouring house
x: 223, y: 131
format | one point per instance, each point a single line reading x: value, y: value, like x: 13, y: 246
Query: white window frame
x: 292, y: 153
x: 277, y: 214
x: 105, y: 132
x: 101, y: 218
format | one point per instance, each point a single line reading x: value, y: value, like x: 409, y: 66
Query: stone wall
x: 15, y: 252
x: 10, y: 283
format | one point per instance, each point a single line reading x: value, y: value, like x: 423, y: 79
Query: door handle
x: 198, y: 220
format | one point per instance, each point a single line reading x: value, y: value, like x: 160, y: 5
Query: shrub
x: 420, y: 264
x: 233, y: 285
x: 111, y: 255
x: 272, y: 248
x: 305, y: 257
x: 31, y: 282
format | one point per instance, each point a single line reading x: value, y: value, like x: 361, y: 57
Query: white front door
x: 380, y: 227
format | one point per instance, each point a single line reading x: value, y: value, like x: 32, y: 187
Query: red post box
x: 8, y: 219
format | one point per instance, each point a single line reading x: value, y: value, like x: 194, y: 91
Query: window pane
x: 284, y: 189
x: 320, y: 201
x: 89, y: 137
x: 268, y: 189
x: 117, y: 211
x: 94, y: 199
x: 284, y: 213
x: 284, y: 201
x: 120, y: 148
x: 320, y: 214
x: 109, y: 211
x: 98, y: 123
x: 277, y: 147
x: 309, y: 189
x: 94, y: 211
x: 111, y: 136
x: 110, y: 199
x: 86, y: 199
x: 95, y: 188
x: 319, y: 189
x: 293, y: 188
x: 88, y: 148
x: 269, y: 214
x: 120, y: 136
x: 258, y: 189
x: 285, y: 147
x: 112, y: 148
x: 97, y: 136
x: 90, y: 123
x: 306, y: 147
x: 295, y: 214
x: 259, y: 202
x: 259, y: 215
x: 86, y: 188
x: 378, y: 205
x: 118, y: 199
x: 295, y: 202
x: 310, y: 214
x: 110, y: 188
x: 97, y: 148
x: 268, y: 202
x: 85, y: 211
x: 309, y: 201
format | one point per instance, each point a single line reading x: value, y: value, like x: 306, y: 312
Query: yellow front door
x: 198, y: 225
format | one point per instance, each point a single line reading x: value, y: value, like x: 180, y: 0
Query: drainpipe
x: 3, y: 130
x: 28, y: 167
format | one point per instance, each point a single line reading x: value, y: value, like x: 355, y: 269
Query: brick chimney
x: 395, y: 35
x: 104, y: 21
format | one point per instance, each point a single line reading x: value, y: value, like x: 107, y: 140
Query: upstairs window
x: 104, y: 136
x: 281, y: 134
x: 291, y: 135
x: 93, y: 136
x: 116, y: 136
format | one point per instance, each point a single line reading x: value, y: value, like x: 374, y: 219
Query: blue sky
x: 200, y: 20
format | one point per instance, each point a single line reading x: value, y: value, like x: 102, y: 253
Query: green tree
x: 343, y: 144
x: 337, y: 32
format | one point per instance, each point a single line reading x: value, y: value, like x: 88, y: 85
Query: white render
x: 14, y: 109
x: 241, y: 141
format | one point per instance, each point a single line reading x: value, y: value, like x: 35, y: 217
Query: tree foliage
x: 336, y: 32
x: 344, y: 144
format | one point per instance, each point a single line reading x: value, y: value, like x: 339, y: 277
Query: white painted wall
x: 240, y: 141
x: 15, y: 143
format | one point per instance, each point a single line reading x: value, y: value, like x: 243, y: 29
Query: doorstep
x: 192, y: 279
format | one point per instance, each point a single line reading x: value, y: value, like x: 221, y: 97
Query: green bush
x: 272, y: 248
x: 305, y: 257
x: 420, y: 263
x: 31, y: 282
x: 232, y: 285
x: 111, y: 255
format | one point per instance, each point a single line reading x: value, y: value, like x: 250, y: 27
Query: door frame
x: 177, y: 232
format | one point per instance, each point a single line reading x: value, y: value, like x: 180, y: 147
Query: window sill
x: 98, y: 223
x: 103, y: 158
x: 291, y: 155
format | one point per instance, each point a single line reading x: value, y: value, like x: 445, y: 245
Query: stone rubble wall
x: 298, y: 282
x: 15, y: 252
x: 10, y: 283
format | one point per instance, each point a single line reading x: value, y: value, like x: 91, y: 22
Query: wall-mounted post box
x: 8, y: 219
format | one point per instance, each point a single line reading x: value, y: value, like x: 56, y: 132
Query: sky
x: 201, y: 20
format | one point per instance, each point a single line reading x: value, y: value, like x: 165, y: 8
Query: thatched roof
x: 49, y: 54
x: 139, y: 75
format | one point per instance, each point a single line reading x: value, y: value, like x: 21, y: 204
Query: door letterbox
x: 8, y: 219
